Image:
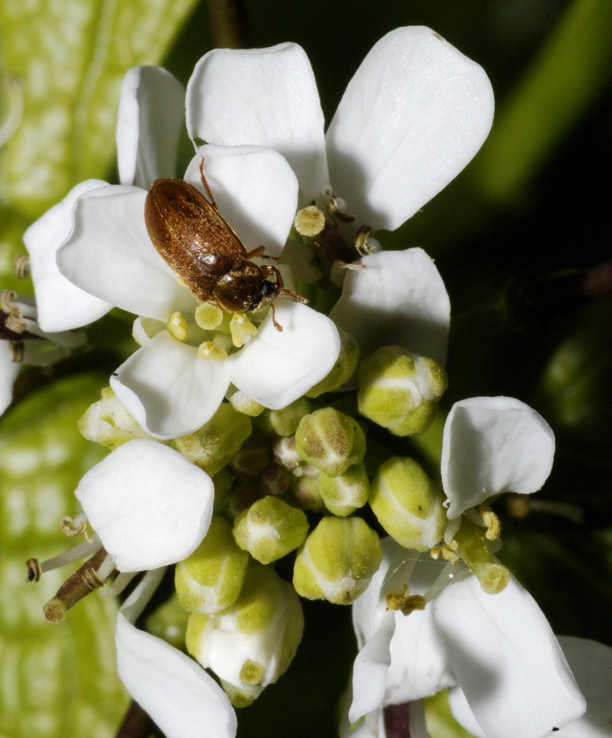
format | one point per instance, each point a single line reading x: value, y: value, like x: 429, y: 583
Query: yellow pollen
x: 177, y: 326
x: 241, y: 329
x: 211, y: 350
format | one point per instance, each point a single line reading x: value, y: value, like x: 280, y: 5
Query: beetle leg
x: 206, y: 187
x: 280, y: 285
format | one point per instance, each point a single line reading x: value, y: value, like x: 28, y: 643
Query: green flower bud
x: 245, y: 404
x: 337, y: 561
x: 305, y: 494
x: 108, y: 423
x: 212, y: 447
x: 252, y: 643
x: 330, y: 440
x: 252, y: 458
x: 343, y: 369
x: 343, y: 494
x: 284, y: 422
x: 169, y: 622
x: 210, y: 579
x: 270, y: 528
x: 407, y: 504
x: 399, y: 390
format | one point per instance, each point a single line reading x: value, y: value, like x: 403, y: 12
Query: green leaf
x: 571, y: 70
x: 61, y: 68
x: 58, y: 680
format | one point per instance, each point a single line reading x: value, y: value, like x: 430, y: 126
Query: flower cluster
x: 243, y: 438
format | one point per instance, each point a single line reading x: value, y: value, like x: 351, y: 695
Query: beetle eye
x: 266, y: 292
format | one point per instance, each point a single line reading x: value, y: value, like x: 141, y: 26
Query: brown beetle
x: 197, y: 242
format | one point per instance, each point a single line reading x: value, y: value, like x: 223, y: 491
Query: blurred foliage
x: 57, y: 680
x: 527, y: 209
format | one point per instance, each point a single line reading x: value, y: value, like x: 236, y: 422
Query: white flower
x: 591, y: 664
x: 412, y: 117
x: 106, y: 258
x: 148, y: 505
x: 182, y: 699
x: 497, y: 649
x: 493, y: 445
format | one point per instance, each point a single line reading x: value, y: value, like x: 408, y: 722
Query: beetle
x: 191, y: 235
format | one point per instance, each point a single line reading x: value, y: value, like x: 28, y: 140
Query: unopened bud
x: 399, y: 390
x: 270, y: 529
x: 343, y: 494
x: 251, y: 644
x: 337, y: 561
x: 212, y: 447
x: 209, y: 580
x: 108, y: 423
x: 284, y: 422
x: 407, y: 504
x: 330, y: 440
x: 252, y: 458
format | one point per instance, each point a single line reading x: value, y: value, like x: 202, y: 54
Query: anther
x: 365, y: 243
x: 21, y: 266
x: 74, y: 526
x: 36, y: 568
x: 334, y: 208
x: 405, y: 602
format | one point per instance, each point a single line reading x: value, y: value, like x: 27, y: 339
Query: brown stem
x: 229, y: 24
x: 136, y: 723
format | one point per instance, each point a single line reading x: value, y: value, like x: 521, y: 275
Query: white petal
x: 398, y: 299
x: 370, y: 670
x: 150, y: 119
x: 493, y: 445
x: 61, y: 304
x: 255, y: 189
x: 148, y: 504
x: 182, y: 699
x: 109, y: 254
x: 267, y: 97
x: 277, y: 367
x: 591, y: 663
x: 461, y: 712
x: 412, y: 117
x: 9, y: 370
x: 507, y: 660
x: 168, y: 388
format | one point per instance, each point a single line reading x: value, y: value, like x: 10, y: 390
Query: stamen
x: 405, y: 602
x: 211, y: 350
x: 241, y: 330
x: 446, y: 551
x: 177, y: 326
x: 74, y: 526
x: 121, y: 582
x: 84, y: 549
x: 21, y: 266
x: 80, y: 584
x: 334, y: 207
x: 365, y: 243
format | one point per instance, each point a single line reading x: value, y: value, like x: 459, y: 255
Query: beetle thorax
x: 239, y: 289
